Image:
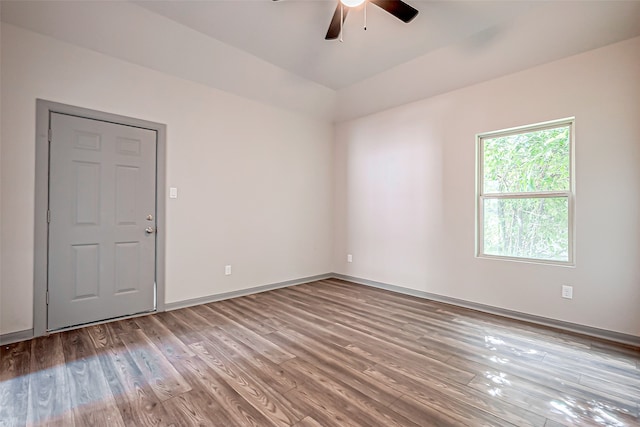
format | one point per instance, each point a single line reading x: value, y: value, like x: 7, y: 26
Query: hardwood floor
x: 328, y: 353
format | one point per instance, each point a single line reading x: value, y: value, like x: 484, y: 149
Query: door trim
x: 44, y: 109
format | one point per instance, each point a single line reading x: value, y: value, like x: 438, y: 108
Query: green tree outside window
x: 525, y: 193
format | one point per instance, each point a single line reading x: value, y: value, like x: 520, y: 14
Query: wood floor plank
x: 528, y: 369
x: 374, y: 390
x: 325, y: 353
x: 135, y: 399
x: 164, y: 379
x: 222, y: 396
x: 239, y: 352
x: 219, y: 397
x: 263, y: 311
x: 164, y: 339
x: 329, y: 410
x: 411, y: 348
x: 456, y: 399
x: 368, y: 411
x: 578, y: 406
x: 385, y: 300
x: 496, y: 325
x: 254, y: 309
x: 489, y: 344
x: 596, y: 367
x: 308, y: 422
x: 14, y: 383
x: 101, y: 336
x: 619, y: 389
x: 444, y: 414
x: 91, y: 398
x: 186, y: 333
x: 629, y: 351
x: 229, y: 309
x: 551, y: 423
x: 495, y: 339
x: 376, y: 324
x: 278, y: 378
x: 319, y: 349
x: 293, y: 311
x: 252, y: 339
x: 204, y: 330
x: 272, y: 404
x: 337, y: 306
x: 233, y: 349
x: 49, y: 394
x: 194, y: 408
x: 124, y: 326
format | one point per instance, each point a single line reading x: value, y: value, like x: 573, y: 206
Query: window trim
x: 569, y: 194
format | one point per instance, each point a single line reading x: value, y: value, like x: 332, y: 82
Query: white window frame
x: 569, y: 194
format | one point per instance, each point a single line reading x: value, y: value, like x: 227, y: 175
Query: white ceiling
x: 290, y: 33
x: 275, y: 52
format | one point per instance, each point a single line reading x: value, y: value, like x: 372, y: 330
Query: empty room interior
x: 320, y: 213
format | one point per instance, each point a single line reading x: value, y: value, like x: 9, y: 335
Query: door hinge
x: 50, y: 135
x: 47, y: 296
x: 48, y: 216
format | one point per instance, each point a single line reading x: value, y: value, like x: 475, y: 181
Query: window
x: 525, y: 193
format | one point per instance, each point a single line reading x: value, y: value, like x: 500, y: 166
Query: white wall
x: 513, y: 46
x: 125, y: 30
x: 405, y: 191
x: 254, y: 180
x: 0, y: 176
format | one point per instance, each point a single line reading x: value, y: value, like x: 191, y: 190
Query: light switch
x: 173, y: 192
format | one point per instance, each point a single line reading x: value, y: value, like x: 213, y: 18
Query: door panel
x: 102, y: 188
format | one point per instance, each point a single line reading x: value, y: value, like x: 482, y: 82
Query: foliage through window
x: 525, y: 202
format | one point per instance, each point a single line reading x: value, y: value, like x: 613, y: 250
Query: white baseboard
x: 13, y: 337
x: 243, y: 292
x: 559, y: 324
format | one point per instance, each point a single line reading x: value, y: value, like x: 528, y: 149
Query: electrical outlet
x: 349, y: 258
x: 227, y: 270
x: 567, y: 291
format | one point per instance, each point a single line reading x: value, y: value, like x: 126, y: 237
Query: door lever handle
x: 149, y: 230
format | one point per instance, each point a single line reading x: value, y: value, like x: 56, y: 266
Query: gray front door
x: 102, y: 202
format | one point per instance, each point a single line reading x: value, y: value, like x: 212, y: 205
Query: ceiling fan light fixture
x: 352, y: 3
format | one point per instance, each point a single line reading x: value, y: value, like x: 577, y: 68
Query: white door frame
x: 43, y: 112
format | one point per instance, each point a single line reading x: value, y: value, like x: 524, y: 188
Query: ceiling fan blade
x: 334, y: 27
x: 397, y: 8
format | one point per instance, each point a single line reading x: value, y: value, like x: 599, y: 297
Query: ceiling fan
x: 397, y: 8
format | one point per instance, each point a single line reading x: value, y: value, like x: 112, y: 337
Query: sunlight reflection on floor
x: 571, y: 410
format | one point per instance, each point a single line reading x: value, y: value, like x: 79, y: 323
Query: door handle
x: 149, y: 230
